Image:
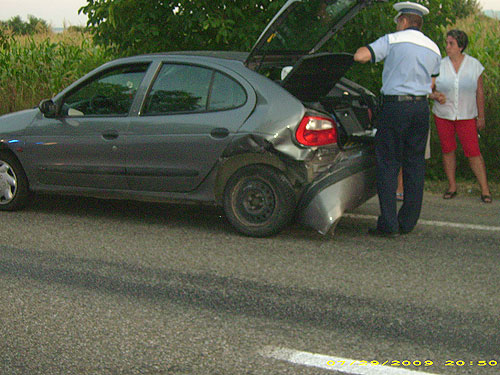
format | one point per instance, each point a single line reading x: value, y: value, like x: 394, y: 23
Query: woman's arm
x: 480, y: 103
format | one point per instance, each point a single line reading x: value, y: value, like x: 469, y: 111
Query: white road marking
x: 337, y: 364
x: 435, y: 223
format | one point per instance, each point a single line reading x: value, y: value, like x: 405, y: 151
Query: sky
x: 487, y: 4
x: 58, y: 13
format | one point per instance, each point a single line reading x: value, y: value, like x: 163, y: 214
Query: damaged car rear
x: 273, y: 135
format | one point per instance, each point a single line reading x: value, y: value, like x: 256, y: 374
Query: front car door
x: 83, y: 145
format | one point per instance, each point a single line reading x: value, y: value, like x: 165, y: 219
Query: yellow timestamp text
x: 379, y: 363
x: 415, y: 363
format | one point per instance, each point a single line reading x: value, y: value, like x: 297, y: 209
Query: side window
x: 226, y: 93
x: 109, y: 94
x: 179, y: 88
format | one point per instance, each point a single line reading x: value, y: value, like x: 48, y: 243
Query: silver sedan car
x: 272, y: 136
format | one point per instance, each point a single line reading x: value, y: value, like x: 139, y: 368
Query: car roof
x: 226, y: 55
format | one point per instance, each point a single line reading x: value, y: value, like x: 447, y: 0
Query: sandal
x: 486, y: 198
x: 450, y: 194
x: 400, y: 197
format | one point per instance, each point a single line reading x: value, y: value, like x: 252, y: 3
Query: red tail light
x: 316, y: 131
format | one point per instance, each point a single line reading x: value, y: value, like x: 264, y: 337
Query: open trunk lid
x: 314, y: 76
x: 300, y: 28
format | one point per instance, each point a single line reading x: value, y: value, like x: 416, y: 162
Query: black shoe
x: 379, y: 233
x: 402, y: 232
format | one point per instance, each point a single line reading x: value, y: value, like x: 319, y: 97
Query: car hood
x: 17, y: 121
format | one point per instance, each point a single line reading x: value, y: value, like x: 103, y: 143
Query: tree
x: 19, y: 27
x: 36, y: 25
x: 16, y: 25
x: 138, y: 26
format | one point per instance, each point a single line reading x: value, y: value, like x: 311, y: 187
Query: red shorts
x: 466, y: 131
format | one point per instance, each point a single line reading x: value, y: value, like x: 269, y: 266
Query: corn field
x: 484, y: 40
x: 34, y: 68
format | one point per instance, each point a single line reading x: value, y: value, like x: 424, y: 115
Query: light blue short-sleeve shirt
x: 411, y: 60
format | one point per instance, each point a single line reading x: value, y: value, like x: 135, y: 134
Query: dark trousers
x: 400, y: 142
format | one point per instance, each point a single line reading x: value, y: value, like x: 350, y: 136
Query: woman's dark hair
x: 461, y: 38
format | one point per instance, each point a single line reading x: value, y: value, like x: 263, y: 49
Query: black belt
x: 403, y: 98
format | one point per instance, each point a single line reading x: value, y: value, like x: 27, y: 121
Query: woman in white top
x: 459, y: 109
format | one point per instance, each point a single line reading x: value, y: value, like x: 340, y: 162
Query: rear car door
x: 84, y: 145
x: 189, y: 117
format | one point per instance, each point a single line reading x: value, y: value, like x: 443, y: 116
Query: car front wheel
x: 259, y: 201
x: 13, y: 184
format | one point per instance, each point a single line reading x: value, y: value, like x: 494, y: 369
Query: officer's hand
x: 438, y: 96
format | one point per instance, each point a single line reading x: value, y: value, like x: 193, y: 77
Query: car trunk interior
x: 354, y: 108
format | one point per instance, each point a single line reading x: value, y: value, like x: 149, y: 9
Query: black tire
x: 259, y: 201
x: 14, y: 193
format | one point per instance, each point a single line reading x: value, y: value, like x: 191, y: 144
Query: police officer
x: 411, y: 64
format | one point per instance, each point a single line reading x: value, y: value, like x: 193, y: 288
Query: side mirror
x: 47, y: 107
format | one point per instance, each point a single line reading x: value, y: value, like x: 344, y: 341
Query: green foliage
x: 76, y: 29
x: 139, y: 26
x: 19, y: 27
x: 33, y: 70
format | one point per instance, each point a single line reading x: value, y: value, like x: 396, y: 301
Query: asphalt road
x: 105, y: 287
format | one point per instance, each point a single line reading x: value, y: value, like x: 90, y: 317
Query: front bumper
x: 346, y: 186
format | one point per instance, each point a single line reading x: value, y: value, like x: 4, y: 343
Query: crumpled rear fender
x: 348, y: 185
x: 282, y: 141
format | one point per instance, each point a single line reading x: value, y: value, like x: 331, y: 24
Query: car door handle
x: 109, y: 135
x: 219, y: 133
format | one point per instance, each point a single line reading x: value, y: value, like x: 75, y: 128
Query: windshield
x: 308, y: 22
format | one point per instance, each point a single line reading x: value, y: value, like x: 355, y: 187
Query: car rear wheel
x: 259, y: 201
x: 13, y: 184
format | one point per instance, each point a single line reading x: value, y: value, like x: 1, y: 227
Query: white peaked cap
x: 411, y: 8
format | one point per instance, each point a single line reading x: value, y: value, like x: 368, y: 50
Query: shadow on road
x: 423, y: 325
